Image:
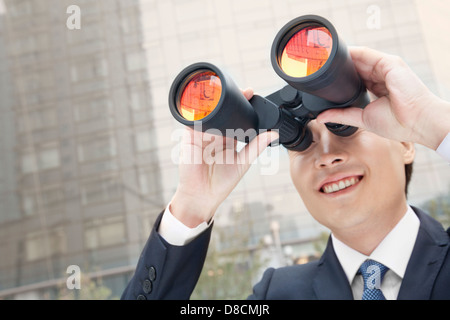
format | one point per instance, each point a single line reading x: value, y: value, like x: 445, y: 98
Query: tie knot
x: 373, y: 273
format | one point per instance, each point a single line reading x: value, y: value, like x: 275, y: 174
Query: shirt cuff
x: 175, y: 232
x: 444, y: 148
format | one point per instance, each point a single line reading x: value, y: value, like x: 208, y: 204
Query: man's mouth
x: 338, y: 185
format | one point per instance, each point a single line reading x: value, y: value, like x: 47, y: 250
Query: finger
x: 229, y: 142
x: 373, y: 65
x: 365, y: 60
x: 190, y: 148
x: 376, y: 116
x: 366, y: 55
x: 379, y: 89
x: 248, y: 93
x: 253, y: 149
x: 188, y: 135
x: 195, y: 138
x: 379, y: 118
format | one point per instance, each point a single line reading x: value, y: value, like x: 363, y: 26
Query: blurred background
x: 86, y: 135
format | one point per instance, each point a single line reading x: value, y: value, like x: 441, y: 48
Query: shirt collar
x: 394, y: 251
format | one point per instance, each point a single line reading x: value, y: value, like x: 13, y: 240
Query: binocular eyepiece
x: 309, y: 55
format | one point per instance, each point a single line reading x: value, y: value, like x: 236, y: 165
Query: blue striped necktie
x: 372, y: 273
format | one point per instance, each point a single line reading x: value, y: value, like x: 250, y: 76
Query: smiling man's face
x: 348, y: 182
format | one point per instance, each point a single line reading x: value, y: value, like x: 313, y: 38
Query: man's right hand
x: 209, y: 169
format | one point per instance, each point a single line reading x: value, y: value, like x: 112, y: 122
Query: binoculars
x: 309, y: 55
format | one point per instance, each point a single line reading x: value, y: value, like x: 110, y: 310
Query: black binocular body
x: 309, y: 55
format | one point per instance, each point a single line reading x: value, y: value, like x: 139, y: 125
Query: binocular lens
x: 306, y: 51
x: 200, y: 95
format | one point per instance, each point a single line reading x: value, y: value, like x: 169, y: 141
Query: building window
x: 89, y: 69
x: 135, y: 61
x: 92, y: 32
x: 38, y: 119
x: 92, y: 109
x: 45, y: 200
x: 28, y: 204
x: 35, y: 81
x: 29, y: 44
x: 138, y: 99
x: 49, y: 159
x: 144, y: 141
x: 46, y: 158
x: 100, y: 191
x: 19, y: 8
x: 97, y: 149
x: 135, y: 100
x: 129, y: 22
x: 149, y: 181
x: 104, y: 232
x: 29, y: 163
x: 43, y: 244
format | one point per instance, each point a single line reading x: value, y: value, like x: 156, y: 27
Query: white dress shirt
x: 175, y: 232
x: 394, y: 252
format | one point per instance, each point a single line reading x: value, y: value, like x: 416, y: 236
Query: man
x: 380, y: 248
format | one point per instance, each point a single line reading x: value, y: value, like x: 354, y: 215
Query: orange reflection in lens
x: 200, y: 96
x: 306, y: 52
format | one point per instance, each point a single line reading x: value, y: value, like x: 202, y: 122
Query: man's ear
x: 409, y: 152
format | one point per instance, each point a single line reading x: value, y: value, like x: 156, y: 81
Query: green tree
x: 232, y: 262
x: 439, y: 208
x: 90, y: 289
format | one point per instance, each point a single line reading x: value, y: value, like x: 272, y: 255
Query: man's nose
x: 329, y: 152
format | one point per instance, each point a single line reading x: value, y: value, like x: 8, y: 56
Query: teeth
x: 336, y: 186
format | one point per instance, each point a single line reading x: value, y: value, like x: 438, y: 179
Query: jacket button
x: 147, y: 286
x: 152, y: 273
x: 141, y: 297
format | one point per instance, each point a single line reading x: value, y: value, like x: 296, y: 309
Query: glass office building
x: 87, y: 142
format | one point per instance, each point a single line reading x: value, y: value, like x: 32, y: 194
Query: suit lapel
x: 430, y: 250
x: 426, y: 259
x: 330, y: 282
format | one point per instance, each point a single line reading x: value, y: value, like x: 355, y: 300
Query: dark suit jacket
x: 165, y: 271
